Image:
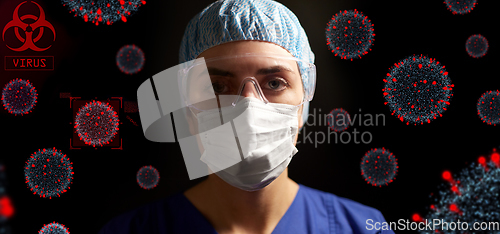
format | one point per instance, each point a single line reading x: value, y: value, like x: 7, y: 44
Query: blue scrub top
x: 312, y: 211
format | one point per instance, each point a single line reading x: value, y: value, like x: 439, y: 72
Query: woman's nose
x: 249, y: 90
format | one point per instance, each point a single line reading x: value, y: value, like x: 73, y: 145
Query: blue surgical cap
x: 238, y: 20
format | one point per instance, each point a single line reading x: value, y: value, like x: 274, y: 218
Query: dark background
x: 104, y: 182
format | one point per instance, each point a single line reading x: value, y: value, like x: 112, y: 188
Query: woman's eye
x: 276, y: 84
x: 219, y: 87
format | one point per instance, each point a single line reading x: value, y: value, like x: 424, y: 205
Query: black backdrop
x: 104, y: 181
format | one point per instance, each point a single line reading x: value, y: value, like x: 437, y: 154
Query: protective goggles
x: 202, y: 85
x: 223, y: 81
x: 173, y: 99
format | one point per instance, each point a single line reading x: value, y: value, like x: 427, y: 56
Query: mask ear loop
x: 257, y: 88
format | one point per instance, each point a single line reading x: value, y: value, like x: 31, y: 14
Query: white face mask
x: 263, y: 146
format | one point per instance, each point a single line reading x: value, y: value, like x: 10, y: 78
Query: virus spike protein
x: 338, y: 120
x: 488, y: 107
x: 472, y: 196
x: 103, y: 11
x: 417, y: 89
x: 460, y: 7
x: 19, y: 97
x: 96, y: 123
x: 148, y: 177
x: 48, y: 173
x: 130, y: 59
x: 53, y: 228
x: 379, y: 167
x: 349, y: 34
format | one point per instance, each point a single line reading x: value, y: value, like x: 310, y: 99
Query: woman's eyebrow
x: 218, y: 72
x: 274, y: 69
x: 263, y: 71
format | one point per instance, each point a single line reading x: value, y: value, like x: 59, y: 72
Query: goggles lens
x: 221, y: 82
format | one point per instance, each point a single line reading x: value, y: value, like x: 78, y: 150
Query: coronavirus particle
x: 379, y: 167
x: 460, y: 6
x: 488, y: 107
x: 53, y: 228
x: 476, y: 46
x: 130, y: 59
x: 48, y: 173
x: 472, y: 197
x: 19, y: 97
x: 338, y: 120
x: 96, y: 123
x: 349, y: 34
x: 103, y: 11
x: 148, y: 177
x: 417, y: 89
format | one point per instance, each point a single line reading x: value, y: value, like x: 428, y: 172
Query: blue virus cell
x: 417, y: 89
x: 349, y: 34
x: 338, y: 120
x: 19, y: 97
x: 96, y: 123
x: 471, y: 196
x: 48, y: 173
x: 148, y: 177
x: 53, y: 228
x: 488, y: 107
x: 103, y: 11
x: 379, y: 167
x: 460, y: 6
x: 476, y: 46
x: 130, y: 59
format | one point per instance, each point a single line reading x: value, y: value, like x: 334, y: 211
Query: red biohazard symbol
x: 29, y: 41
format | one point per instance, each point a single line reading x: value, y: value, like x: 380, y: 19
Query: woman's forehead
x: 244, y: 47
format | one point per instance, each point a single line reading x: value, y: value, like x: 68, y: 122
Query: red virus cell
x: 6, y: 207
x: 417, y: 89
x: 103, y: 11
x: 96, y: 123
x: 53, y: 228
x: 379, y: 167
x: 148, y: 177
x: 460, y: 6
x: 470, y: 196
x: 338, y: 120
x: 130, y: 59
x: 48, y: 173
x: 349, y: 34
x: 476, y: 46
x: 19, y: 97
x: 488, y: 107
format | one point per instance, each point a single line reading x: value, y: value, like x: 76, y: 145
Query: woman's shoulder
x: 348, y: 215
x: 149, y: 218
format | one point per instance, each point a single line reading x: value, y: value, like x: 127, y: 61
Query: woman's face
x: 279, y: 80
